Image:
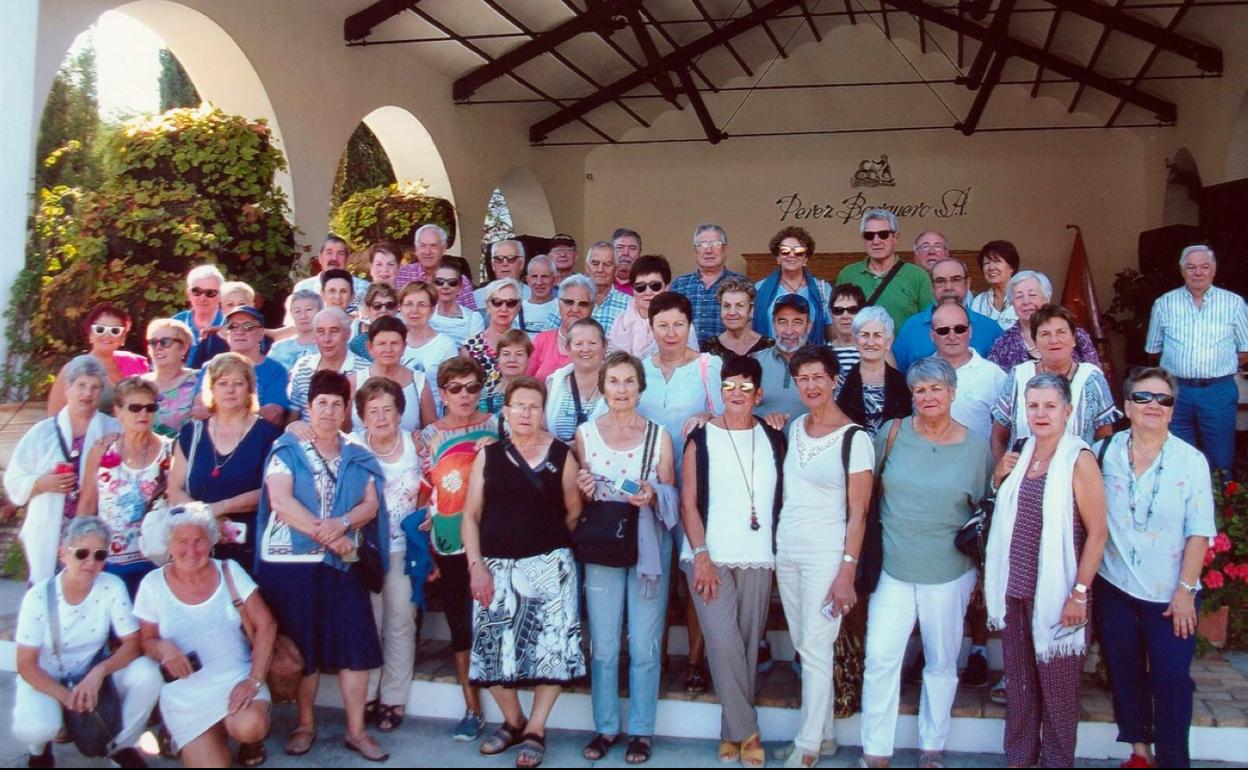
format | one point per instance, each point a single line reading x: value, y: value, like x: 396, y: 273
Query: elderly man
x: 244, y: 331
x: 333, y: 256
x: 562, y: 253
x: 1200, y: 333
x: 609, y: 301
x: 333, y: 331
x: 791, y: 319
x: 203, y: 294
x: 899, y: 287
x: 539, y: 311
x: 702, y: 285
x: 950, y: 281
x: 929, y: 248
x: 979, y: 380
x: 627, y: 246
x: 430, y: 241
x: 507, y: 261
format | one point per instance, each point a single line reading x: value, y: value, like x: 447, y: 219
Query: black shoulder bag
x: 606, y: 535
x: 93, y: 732
x: 871, y: 560
x: 972, y: 538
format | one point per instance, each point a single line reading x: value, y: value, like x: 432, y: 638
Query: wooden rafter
x: 1208, y: 58
x: 1101, y: 42
x: 1048, y: 43
x: 360, y: 25
x: 732, y: 51
x: 1139, y: 76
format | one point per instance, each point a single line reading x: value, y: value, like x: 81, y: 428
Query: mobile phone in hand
x: 192, y: 658
x: 830, y: 611
x: 629, y: 487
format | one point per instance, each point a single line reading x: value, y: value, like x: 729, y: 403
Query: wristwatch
x: 1081, y: 588
x: 1191, y: 589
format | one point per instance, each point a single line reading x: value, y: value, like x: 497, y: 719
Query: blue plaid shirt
x: 615, y: 303
x: 705, y: 301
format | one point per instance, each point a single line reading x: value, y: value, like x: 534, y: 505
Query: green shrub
x: 391, y: 213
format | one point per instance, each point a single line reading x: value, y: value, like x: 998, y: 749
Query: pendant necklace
x: 749, y: 480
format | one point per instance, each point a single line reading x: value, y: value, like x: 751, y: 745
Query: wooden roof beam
x: 1208, y: 58
x: 360, y: 25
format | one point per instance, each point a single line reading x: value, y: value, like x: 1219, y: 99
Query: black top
x: 897, y: 399
x: 519, y: 520
x: 716, y: 348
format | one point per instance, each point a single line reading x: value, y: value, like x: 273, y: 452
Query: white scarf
x: 1022, y: 375
x: 1058, y: 565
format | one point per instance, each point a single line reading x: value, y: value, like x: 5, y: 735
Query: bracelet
x: 700, y: 550
x: 257, y: 682
x: 1080, y: 601
x: 849, y: 559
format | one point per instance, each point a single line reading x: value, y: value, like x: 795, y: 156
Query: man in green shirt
x: 909, y: 291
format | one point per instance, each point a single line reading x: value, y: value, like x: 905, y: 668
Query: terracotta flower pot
x: 1213, y: 626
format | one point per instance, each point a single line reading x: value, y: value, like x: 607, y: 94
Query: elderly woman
x: 381, y: 404
x: 167, y: 343
x: 1028, y: 292
x: 827, y: 488
x: 380, y: 301
x: 126, y: 478
x: 1094, y: 414
x: 538, y: 312
x: 792, y: 248
x: 625, y: 457
x: 43, y: 472
x: 426, y: 348
x: 729, y: 568
x: 574, y: 397
x: 383, y: 262
x: 502, y: 306
x: 105, y: 326
x: 514, y: 350
x: 447, y: 450
x: 552, y: 348
x: 873, y: 392
x: 633, y: 332
x: 203, y: 294
x: 1160, y: 517
x: 62, y: 664
x: 387, y: 341
x: 924, y: 577
x: 337, y: 289
x: 189, y: 615
x: 847, y: 299
x: 324, y: 502
x: 527, y: 621
x: 736, y: 310
x: 998, y: 261
x: 459, y: 322
x: 1044, y: 548
x: 304, y: 304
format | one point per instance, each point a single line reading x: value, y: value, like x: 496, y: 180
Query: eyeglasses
x: 510, y: 304
x: 136, y: 408
x: 1146, y: 396
x: 871, y: 235
x: 944, y: 330
x: 708, y: 245
x: 445, y: 281
x: 246, y: 328
x: 159, y: 343
x: 209, y: 293
x: 385, y: 307
x: 949, y: 280
x: 930, y: 247
x: 1062, y: 632
x: 843, y: 309
x: 111, y: 331
x: 644, y: 286
x: 99, y: 554
x: 788, y: 251
x: 508, y: 258
x: 745, y: 387
x: 583, y: 304
x: 455, y: 388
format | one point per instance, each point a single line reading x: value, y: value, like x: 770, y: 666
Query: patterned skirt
x: 530, y: 634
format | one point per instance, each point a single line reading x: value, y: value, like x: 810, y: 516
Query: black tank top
x: 517, y: 520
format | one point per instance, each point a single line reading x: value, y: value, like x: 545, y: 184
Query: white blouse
x: 735, y: 456
x: 84, y: 626
x: 813, y: 517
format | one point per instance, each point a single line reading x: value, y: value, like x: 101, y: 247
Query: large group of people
x: 558, y: 456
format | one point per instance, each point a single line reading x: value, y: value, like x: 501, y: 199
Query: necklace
x: 1142, y: 526
x: 1036, y: 463
x: 397, y: 438
x: 219, y: 461
x: 793, y: 289
x: 749, y: 480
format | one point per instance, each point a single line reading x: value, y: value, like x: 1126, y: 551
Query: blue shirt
x: 705, y: 301
x: 914, y: 339
x: 1198, y: 342
x: 188, y: 318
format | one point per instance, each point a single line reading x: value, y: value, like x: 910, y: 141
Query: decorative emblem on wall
x: 873, y: 173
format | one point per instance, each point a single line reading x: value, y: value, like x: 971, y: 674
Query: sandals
x: 697, y: 680
x: 366, y: 747
x: 252, y: 754
x: 638, y: 750
x: 598, y: 746
x: 729, y: 752
x: 752, y: 752
x: 300, y: 741
x: 372, y: 710
x: 501, y: 739
x: 931, y: 759
x: 389, y: 717
x: 532, y: 751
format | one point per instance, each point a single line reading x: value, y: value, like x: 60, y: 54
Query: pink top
x: 546, y: 357
x: 130, y: 364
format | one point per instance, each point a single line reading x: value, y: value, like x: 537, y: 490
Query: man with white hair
x: 710, y: 244
x: 431, y: 241
x: 627, y: 245
x: 333, y: 255
x: 899, y: 287
x: 333, y: 331
x: 609, y: 301
x: 203, y: 294
x: 929, y: 248
x: 1200, y: 333
x: 562, y: 253
x: 539, y: 311
x: 507, y: 261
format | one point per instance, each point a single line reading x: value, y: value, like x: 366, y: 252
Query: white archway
x: 530, y: 208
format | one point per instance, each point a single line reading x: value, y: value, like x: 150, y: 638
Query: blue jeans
x: 1205, y: 418
x: 1149, y: 672
x: 607, y: 591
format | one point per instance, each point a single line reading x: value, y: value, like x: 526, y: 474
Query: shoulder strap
x: 892, y: 439
x: 847, y: 448
x: 196, y: 432
x: 650, y: 450
x: 1100, y: 455
x: 228, y: 576
x: 576, y: 398
x: 530, y: 475
x: 54, y: 621
x: 888, y: 278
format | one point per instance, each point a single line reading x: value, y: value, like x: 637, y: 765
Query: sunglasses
x: 508, y: 258
x: 510, y: 304
x: 871, y: 235
x: 209, y: 293
x: 1146, y: 396
x: 385, y: 307
x: 708, y: 244
x: 1063, y: 632
x: 944, y: 330
x: 744, y: 387
x: 159, y: 343
x: 786, y: 251
x: 99, y: 554
x: 248, y: 328
x: 111, y: 331
x: 842, y: 310
x: 445, y: 281
x: 584, y: 304
x: 136, y: 408
x: 455, y: 388
x: 644, y: 286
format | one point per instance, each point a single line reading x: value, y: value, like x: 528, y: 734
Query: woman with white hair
x: 42, y: 474
x: 1028, y: 291
x: 872, y: 391
x: 63, y: 657
x: 502, y: 305
x: 552, y: 348
x: 192, y: 615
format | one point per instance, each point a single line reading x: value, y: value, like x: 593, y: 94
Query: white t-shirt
x: 979, y: 385
x: 540, y: 318
x: 84, y: 627
x: 734, y: 455
x: 470, y: 322
x: 813, y: 517
x: 402, y: 479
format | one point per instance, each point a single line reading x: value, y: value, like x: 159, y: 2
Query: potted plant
x: 1224, y: 614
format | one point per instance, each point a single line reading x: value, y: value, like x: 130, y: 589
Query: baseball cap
x: 563, y: 239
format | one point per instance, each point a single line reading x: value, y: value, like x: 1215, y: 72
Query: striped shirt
x: 611, y: 308
x: 301, y: 377
x: 414, y: 271
x: 705, y: 301
x: 1198, y: 342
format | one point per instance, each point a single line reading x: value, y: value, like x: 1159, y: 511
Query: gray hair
x: 86, y: 526
x: 85, y: 365
x: 336, y: 313
x: 306, y: 295
x: 707, y: 227
x: 874, y: 314
x: 932, y: 369
x: 1141, y: 373
x: 1049, y: 381
x: 502, y: 283
x: 919, y: 237
x: 575, y: 280
x: 624, y: 232
x: 540, y: 259
x: 599, y: 245
x: 1192, y: 250
x: 159, y: 526
x: 884, y: 214
x: 204, y: 271
x: 966, y: 273
x: 442, y: 236
x: 1046, y: 285
x: 494, y: 246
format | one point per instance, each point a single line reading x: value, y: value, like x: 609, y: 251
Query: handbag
x: 286, y: 665
x: 92, y: 732
x: 971, y: 538
x: 871, y: 560
x: 606, y: 534
x: 368, y: 568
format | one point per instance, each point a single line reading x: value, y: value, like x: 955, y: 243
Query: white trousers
x: 37, y: 717
x: 940, y: 610
x: 396, y: 625
x: 804, y: 580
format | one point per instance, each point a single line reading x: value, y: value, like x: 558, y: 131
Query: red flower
x: 1210, y: 555
x: 1213, y: 579
x: 110, y: 459
x: 1232, y: 487
x: 1229, y: 511
x: 1221, y: 543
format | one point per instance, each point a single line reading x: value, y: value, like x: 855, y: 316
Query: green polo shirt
x: 908, y: 293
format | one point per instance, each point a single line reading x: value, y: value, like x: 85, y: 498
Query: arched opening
x: 527, y: 202
x: 1182, y: 203
x: 1237, y: 162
